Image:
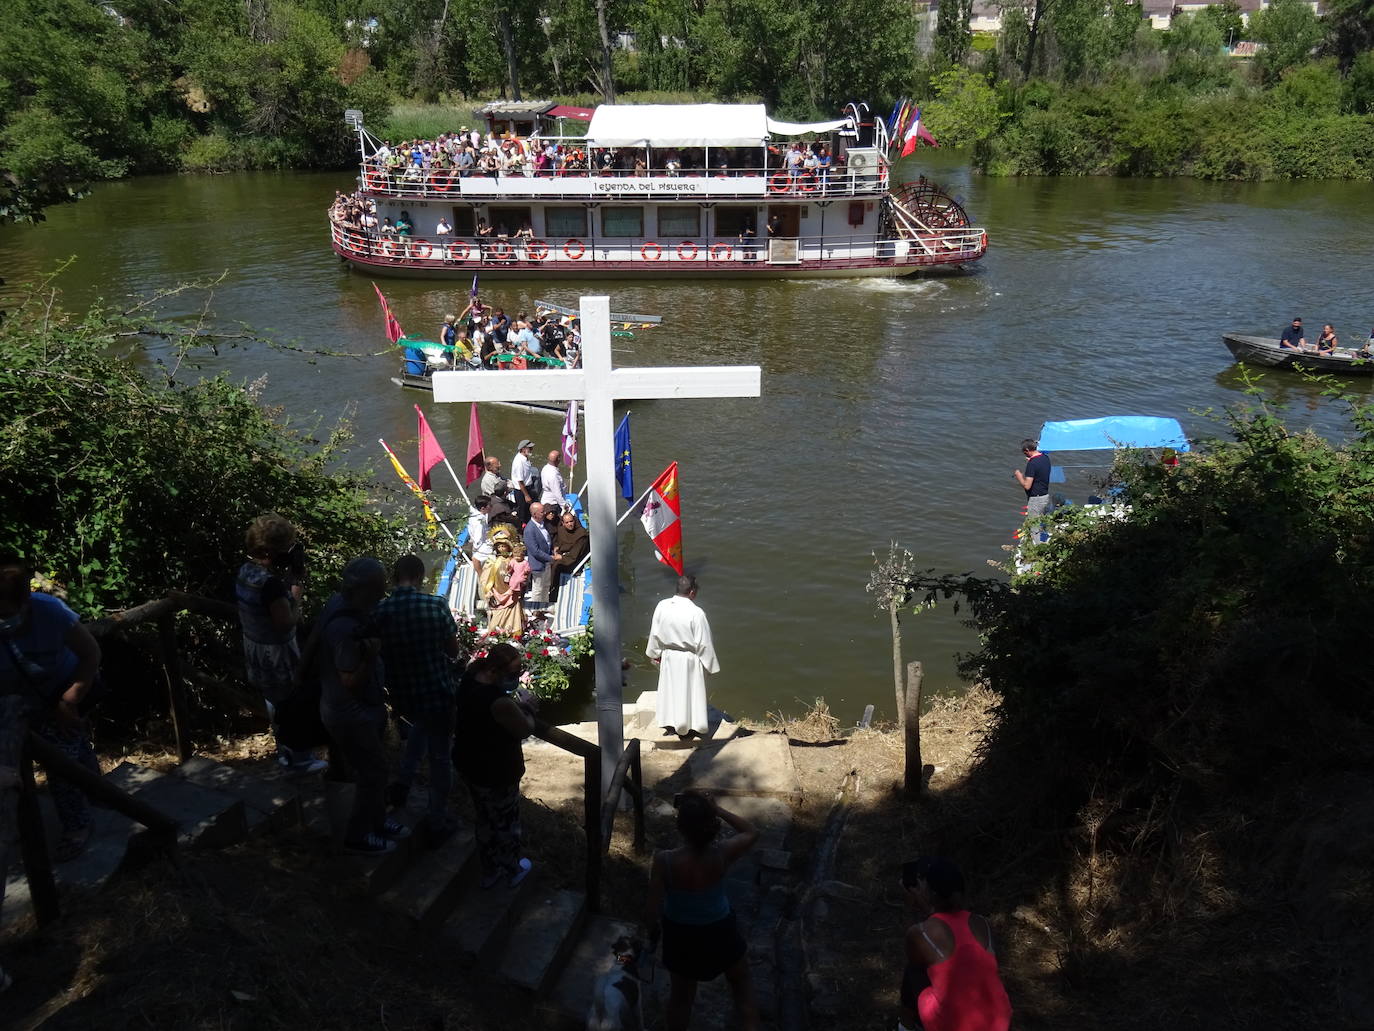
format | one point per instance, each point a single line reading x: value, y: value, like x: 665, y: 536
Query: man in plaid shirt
x: 419, y: 648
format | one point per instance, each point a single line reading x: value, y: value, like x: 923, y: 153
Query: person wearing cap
x: 524, y: 480
x: 1291, y: 339
x: 951, y: 981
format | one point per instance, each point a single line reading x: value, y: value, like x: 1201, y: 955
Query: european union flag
x: 624, y: 471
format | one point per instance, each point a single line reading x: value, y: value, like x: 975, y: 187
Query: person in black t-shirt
x: 1292, y: 338
x: 1035, y: 481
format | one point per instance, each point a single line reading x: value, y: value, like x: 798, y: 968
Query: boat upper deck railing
x: 857, y: 178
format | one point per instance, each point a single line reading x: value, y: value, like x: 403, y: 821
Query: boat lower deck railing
x: 450, y: 184
x: 497, y: 252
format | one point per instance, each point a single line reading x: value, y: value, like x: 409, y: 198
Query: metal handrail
x: 598, y: 812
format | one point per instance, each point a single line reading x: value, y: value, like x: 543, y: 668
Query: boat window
x: 506, y: 221
x: 679, y: 221
x: 731, y: 220
x: 618, y: 221
x: 567, y: 222
x: 462, y: 222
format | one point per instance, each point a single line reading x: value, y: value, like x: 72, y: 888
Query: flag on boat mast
x: 431, y: 454
x: 473, y: 292
x: 415, y: 487
x: 662, y: 519
x: 477, y: 463
x: 624, y: 469
x: 570, y: 436
x: 394, y: 332
x: 915, y: 133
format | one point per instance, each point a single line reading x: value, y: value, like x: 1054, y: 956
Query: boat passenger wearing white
x: 1035, y: 481
x: 680, y: 644
x: 444, y: 228
x: 477, y: 532
x: 1292, y: 339
x: 524, y: 480
x: 551, y: 482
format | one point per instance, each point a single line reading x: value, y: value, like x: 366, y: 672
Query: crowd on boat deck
x: 1293, y: 339
x: 469, y: 152
x: 485, y: 337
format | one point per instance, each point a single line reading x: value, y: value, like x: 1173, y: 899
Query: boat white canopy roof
x: 692, y: 125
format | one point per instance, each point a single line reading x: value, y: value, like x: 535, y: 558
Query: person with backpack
x: 352, y: 705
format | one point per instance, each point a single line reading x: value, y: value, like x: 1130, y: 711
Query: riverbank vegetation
x: 1177, y: 786
x: 1067, y: 86
x: 124, y: 481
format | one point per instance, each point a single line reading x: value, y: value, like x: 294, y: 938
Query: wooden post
x: 913, y: 778
x: 637, y: 796
x: 33, y: 846
x: 591, y: 766
x: 897, y: 661
x: 176, y: 684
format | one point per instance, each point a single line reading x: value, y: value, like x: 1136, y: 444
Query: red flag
x: 476, y: 460
x: 431, y: 454
x: 394, y: 332
x: 662, y: 519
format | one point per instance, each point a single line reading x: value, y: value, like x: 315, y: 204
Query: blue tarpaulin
x: 1113, y: 431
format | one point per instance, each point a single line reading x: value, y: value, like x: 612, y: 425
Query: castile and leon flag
x: 662, y: 519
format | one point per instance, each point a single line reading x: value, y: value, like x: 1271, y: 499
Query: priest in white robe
x: 680, y: 642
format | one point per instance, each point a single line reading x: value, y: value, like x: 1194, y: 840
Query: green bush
x: 123, y: 485
x: 212, y: 153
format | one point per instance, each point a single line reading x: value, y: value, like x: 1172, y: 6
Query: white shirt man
x: 444, y: 228
x: 477, y: 534
x: 551, y: 482
x: 680, y: 642
x: 524, y: 478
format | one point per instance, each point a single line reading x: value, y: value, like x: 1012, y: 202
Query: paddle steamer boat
x: 709, y: 194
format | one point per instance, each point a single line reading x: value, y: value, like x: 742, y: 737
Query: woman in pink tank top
x: 951, y: 981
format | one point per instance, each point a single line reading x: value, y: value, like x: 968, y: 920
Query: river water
x: 891, y: 410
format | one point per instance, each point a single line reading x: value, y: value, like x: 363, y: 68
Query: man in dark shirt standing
x: 1035, y: 481
x: 1292, y: 338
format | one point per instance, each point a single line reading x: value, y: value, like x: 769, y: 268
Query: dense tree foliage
x: 122, y: 484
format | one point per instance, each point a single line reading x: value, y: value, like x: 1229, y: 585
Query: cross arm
x: 693, y: 381
x: 511, y: 385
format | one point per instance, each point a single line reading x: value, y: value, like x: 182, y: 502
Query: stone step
x: 544, y: 933
x: 591, y: 958
x: 271, y: 803
x: 206, y: 818
x: 111, y: 837
x: 480, y: 926
x: 757, y: 764
x: 427, y: 892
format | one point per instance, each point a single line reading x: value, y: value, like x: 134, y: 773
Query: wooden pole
x: 892, y: 612
x: 913, y: 776
x: 33, y: 846
x: 591, y: 767
x: 176, y: 684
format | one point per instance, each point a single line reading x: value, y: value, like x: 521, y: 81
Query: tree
x: 1289, y: 31
x: 952, y: 35
x: 965, y: 108
x: 1228, y: 19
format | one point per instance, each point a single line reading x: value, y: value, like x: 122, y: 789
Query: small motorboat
x: 1261, y: 350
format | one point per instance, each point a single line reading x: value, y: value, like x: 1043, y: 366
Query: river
x: 891, y: 411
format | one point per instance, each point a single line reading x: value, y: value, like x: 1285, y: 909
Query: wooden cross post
x: 598, y: 386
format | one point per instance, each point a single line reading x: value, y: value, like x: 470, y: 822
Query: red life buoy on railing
x: 780, y: 182
x: 458, y: 251
x: 421, y: 250
x: 644, y: 251
x: 983, y: 240
x: 570, y: 253
x: 536, y: 250
x: 375, y: 180
x: 443, y: 181
x: 721, y: 252
x: 387, y: 247
x: 687, y: 250
x: 806, y: 182
x: 500, y: 251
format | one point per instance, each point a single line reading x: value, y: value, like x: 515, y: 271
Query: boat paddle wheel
x: 932, y: 222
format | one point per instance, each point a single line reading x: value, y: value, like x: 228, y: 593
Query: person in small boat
x: 1291, y: 339
x: 1367, y: 351
x: 951, y: 981
x: 1327, y: 342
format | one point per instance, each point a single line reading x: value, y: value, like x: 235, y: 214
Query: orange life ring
x: 500, y: 251
x: 687, y: 250
x: 421, y: 250
x: 722, y: 251
x: 536, y: 250
x: 780, y: 182
x: 568, y: 249
x: 441, y: 181
x: 375, y: 180
x: 644, y: 251
x: 806, y: 182
x: 983, y: 240
x: 387, y: 247
x: 454, y: 254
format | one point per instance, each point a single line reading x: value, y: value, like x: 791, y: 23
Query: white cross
x: 598, y: 386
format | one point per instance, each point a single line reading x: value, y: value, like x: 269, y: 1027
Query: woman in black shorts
x: 687, y: 901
